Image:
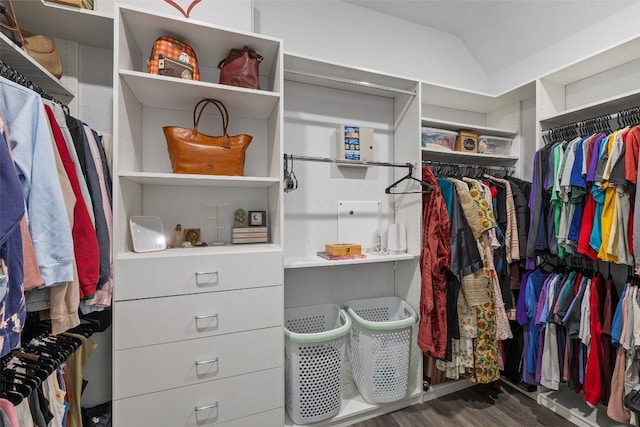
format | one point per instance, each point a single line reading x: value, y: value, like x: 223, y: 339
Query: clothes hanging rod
x: 612, y: 116
x: 473, y: 165
x: 347, y: 162
x: 351, y: 82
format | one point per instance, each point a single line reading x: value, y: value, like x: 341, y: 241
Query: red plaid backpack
x: 171, y: 57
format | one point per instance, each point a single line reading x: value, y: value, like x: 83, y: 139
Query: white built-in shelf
x: 462, y: 99
x: 87, y: 27
x: 208, y: 250
x: 151, y: 178
x: 570, y: 406
x: 606, y: 106
x: 304, y: 69
x: 357, y: 409
x: 154, y: 91
x: 443, y: 389
x: 596, y: 63
x: 210, y: 42
x: 456, y: 126
x: 316, y: 261
x: 466, y: 158
x: 20, y: 61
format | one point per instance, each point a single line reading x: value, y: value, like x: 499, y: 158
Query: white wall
x: 610, y: 31
x: 235, y: 14
x: 349, y: 34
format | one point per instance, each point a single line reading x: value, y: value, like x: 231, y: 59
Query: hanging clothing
x: 435, y: 260
x: 34, y: 159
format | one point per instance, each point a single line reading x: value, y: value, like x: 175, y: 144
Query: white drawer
x: 273, y: 418
x: 227, y: 399
x: 146, y: 277
x: 141, y: 370
x: 163, y: 320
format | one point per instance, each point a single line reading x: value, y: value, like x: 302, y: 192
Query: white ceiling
x: 499, y: 33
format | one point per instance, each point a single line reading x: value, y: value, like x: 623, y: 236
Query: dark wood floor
x: 476, y: 406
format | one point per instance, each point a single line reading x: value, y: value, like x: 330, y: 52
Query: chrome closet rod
x: 351, y: 82
x: 347, y: 162
x: 612, y: 116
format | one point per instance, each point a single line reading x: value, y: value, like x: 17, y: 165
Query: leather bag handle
x: 237, y: 53
x: 223, y: 112
x: 11, y: 18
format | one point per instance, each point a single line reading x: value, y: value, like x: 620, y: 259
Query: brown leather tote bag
x: 194, y: 152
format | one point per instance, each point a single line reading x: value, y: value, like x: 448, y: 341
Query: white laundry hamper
x: 380, y: 347
x: 315, y: 347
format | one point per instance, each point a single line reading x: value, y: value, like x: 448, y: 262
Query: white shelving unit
x: 20, y: 61
x: 429, y: 153
x: 320, y: 96
x: 600, y: 84
x: 501, y: 116
x: 91, y: 27
x: 216, y: 302
x: 570, y: 406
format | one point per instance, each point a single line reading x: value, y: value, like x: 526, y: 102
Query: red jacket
x: 435, y: 260
x: 85, y: 241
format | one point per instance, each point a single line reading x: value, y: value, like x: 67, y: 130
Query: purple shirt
x: 595, y: 156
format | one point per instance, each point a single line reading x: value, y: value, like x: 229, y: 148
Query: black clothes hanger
x: 426, y: 187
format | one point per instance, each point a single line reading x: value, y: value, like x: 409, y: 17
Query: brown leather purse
x: 194, y: 152
x: 241, y: 68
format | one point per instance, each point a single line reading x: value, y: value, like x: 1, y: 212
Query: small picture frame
x: 257, y: 218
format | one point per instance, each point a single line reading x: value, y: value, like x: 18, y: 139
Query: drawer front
x: 196, y: 361
x: 163, y: 320
x: 274, y: 418
x: 208, y: 403
x: 156, y: 277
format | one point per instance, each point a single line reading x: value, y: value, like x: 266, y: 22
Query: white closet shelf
x: 154, y: 90
x: 443, y: 389
x: 20, y: 61
x: 304, y: 69
x: 583, y: 112
x: 456, y: 126
x: 316, y: 261
x: 210, y: 42
x: 208, y: 250
x: 87, y: 27
x: 357, y: 409
x: 596, y: 62
x: 461, y: 99
x: 151, y: 178
x: 462, y: 157
x: 570, y: 406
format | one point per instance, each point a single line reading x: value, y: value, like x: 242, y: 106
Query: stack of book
x: 340, y: 257
x: 250, y: 235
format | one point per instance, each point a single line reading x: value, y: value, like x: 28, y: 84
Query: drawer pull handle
x: 203, y: 273
x: 204, y: 408
x: 206, y: 362
x: 206, y: 316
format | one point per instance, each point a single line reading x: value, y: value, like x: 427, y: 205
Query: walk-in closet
x: 362, y: 213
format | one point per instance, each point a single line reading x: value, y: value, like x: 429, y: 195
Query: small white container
x: 494, y: 145
x: 440, y: 139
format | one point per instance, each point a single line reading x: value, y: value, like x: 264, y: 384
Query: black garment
x: 465, y: 256
x: 81, y: 143
x: 453, y: 326
x: 105, y: 166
